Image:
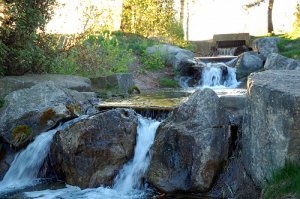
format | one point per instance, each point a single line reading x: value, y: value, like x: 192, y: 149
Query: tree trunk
x: 270, y: 21
x: 187, y: 19
x: 181, y: 12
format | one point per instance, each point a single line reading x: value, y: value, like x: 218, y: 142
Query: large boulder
x: 120, y: 83
x: 248, y: 63
x: 266, y: 46
x: 91, y: 152
x: 271, y: 127
x: 276, y: 61
x: 174, y: 56
x: 9, y: 84
x: 190, y: 146
x: 28, y: 112
x: 234, y: 182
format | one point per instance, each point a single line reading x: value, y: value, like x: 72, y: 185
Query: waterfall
x: 226, y: 51
x: 128, y: 184
x: 212, y: 75
x: 26, y: 165
x: 131, y: 174
x: 218, y: 75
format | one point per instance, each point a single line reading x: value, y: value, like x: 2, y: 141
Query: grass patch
x: 285, y: 181
x: 290, y: 47
x: 167, y: 82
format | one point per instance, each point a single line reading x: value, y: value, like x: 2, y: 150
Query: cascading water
x: 226, y: 51
x: 213, y: 75
x: 127, y: 184
x: 130, y: 176
x: 218, y: 74
x: 26, y: 165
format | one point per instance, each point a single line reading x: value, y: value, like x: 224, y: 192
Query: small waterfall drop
x: 26, y: 165
x: 131, y: 174
x: 218, y: 75
x: 212, y: 75
x: 226, y: 51
x: 128, y: 184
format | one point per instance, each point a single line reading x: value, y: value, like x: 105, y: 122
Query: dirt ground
x: 148, y: 79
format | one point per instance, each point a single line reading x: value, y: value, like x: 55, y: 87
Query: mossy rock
x: 20, y: 133
x: 134, y: 90
x: 46, y: 116
x: 74, y: 109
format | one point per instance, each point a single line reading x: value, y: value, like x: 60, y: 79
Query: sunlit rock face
x: 9, y: 84
x: 173, y: 56
x: 91, y: 152
x: 31, y: 111
x: 266, y: 46
x: 190, y: 146
x: 271, y: 127
x: 278, y: 62
x: 248, y: 63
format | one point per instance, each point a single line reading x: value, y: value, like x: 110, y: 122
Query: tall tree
x: 270, y: 12
x: 148, y: 17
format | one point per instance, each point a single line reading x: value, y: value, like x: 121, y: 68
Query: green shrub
x: 285, y: 181
x: 152, y: 62
x: 99, y: 55
x: 22, y: 50
x: 166, y: 82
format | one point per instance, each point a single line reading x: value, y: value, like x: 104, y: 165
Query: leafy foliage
x: 285, y: 181
x: 99, y: 55
x: 296, y: 32
x: 22, y: 48
x: 152, y: 19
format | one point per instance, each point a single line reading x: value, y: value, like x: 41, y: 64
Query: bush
x: 285, y: 181
x: 152, y: 62
x: 99, y: 55
x: 21, y: 48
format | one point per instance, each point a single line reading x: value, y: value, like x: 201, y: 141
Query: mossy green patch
x: 284, y: 182
x: 46, y: 116
x: 167, y: 82
x: 20, y: 133
x: 289, y: 47
x: 74, y: 109
x: 134, y: 89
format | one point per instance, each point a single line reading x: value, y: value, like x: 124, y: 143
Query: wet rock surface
x: 91, y: 152
x: 271, y: 123
x: 190, y: 146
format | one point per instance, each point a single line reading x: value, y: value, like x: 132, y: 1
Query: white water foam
x: 215, y: 76
x: 128, y: 183
x: 131, y: 174
x: 26, y: 165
